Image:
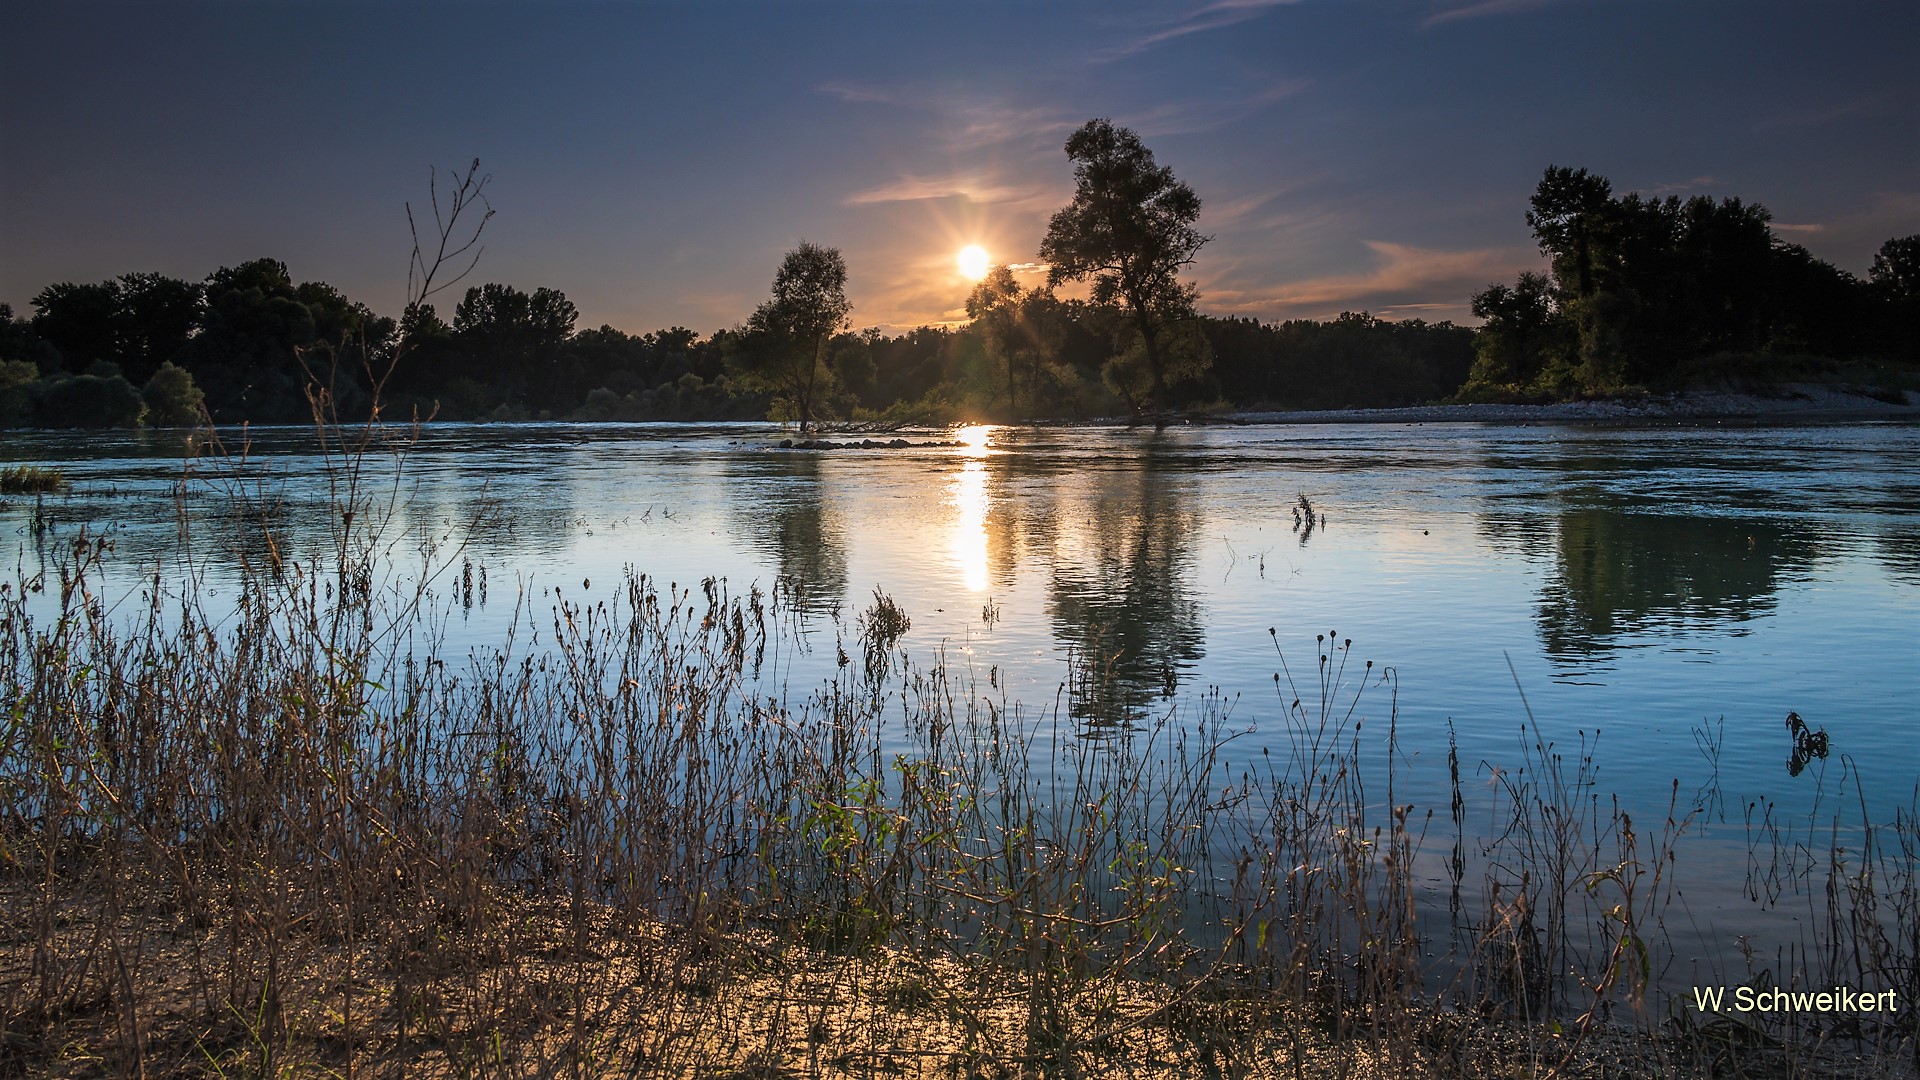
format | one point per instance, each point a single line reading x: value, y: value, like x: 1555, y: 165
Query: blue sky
x: 653, y: 161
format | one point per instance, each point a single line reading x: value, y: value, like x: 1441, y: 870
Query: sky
x: 655, y: 161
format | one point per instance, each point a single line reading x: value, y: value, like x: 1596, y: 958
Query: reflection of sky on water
x: 1642, y: 582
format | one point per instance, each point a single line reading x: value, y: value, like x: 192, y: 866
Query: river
x: 1657, y: 597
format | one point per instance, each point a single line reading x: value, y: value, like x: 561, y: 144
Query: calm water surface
x: 1673, y: 589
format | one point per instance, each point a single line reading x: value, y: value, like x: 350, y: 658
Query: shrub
x: 172, y: 398
x: 89, y: 401
x: 16, y: 392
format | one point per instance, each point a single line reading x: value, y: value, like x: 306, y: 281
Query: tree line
x: 1641, y: 294
x: 1663, y: 293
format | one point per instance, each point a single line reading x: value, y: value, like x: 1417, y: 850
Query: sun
x: 974, y: 262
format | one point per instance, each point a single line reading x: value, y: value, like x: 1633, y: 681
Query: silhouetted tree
x: 1567, y: 215
x: 1514, y: 338
x: 1130, y: 228
x: 1896, y: 268
x: 20, y: 343
x: 517, y: 342
x: 78, y: 320
x: 1644, y: 287
x: 155, y: 318
x: 785, y: 348
x: 1014, y: 326
x: 1895, y: 278
x: 246, y: 356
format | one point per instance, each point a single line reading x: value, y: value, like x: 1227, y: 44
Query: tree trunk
x: 1013, y: 402
x: 1157, y: 391
x: 805, y: 404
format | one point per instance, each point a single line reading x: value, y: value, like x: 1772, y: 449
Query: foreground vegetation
x: 295, y: 838
x: 31, y: 480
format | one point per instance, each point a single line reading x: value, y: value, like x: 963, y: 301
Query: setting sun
x: 973, y: 262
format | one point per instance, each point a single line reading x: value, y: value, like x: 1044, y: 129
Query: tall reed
x: 296, y: 837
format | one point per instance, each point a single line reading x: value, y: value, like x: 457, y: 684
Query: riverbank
x: 1790, y: 403
x: 551, y: 988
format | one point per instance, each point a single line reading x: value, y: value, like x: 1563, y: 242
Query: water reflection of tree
x: 1122, y: 601
x: 1619, y: 573
x: 1899, y: 552
x: 785, y: 514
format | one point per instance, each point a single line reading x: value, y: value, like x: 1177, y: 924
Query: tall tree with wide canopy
x: 786, y: 337
x: 1130, y: 229
x: 1569, y: 215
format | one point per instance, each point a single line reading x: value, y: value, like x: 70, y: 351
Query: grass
x: 31, y: 480
x: 285, y: 841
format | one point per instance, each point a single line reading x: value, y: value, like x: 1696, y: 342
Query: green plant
x: 31, y: 480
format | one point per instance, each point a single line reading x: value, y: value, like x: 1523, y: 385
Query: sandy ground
x: 534, y: 993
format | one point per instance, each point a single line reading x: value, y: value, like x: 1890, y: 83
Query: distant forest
x: 1642, y: 294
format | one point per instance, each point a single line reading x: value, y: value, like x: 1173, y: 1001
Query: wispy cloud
x: 1188, y: 117
x: 1849, y: 239
x: 1816, y: 116
x: 1694, y: 184
x: 1210, y: 17
x: 1483, y: 9
x: 981, y: 124
x: 847, y: 91
x: 1403, y: 278
x: 973, y: 188
x: 970, y: 124
x: 959, y: 122
x: 1234, y: 211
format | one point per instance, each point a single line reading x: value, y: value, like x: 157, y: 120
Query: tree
x: 786, y: 337
x: 247, y: 354
x: 996, y: 306
x: 90, y: 401
x: 1895, y: 281
x: 1130, y: 229
x: 157, y: 316
x: 517, y: 342
x: 1512, y: 342
x: 172, y: 399
x: 20, y: 344
x: 1568, y: 214
x: 78, y: 320
x: 1896, y: 268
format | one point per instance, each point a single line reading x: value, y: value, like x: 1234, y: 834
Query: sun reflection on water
x: 969, y: 495
x: 974, y: 438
